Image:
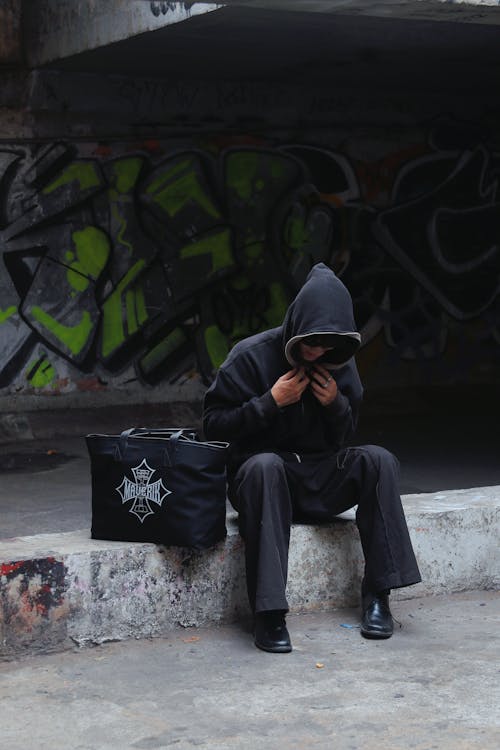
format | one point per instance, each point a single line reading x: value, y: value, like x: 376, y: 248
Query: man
x: 287, y: 400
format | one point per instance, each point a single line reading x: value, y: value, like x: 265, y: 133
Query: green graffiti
x: 140, y: 306
x: 92, y: 251
x: 165, y: 177
x: 159, y: 353
x: 76, y: 281
x: 296, y: 234
x: 83, y: 172
x: 278, y: 307
x: 130, y: 311
x: 241, y: 170
x: 173, y: 194
x: 254, y: 253
x: 216, y: 344
x: 241, y: 174
x: 6, y: 314
x: 277, y: 168
x: 217, y: 245
x: 113, y: 333
x: 126, y: 172
x: 123, y: 227
x: 73, y: 337
x: 124, y: 177
x: 240, y: 282
x: 40, y: 373
x: 136, y: 309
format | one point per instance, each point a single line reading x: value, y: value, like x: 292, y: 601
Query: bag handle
x: 171, y: 456
x: 172, y: 446
x: 145, y: 431
x: 123, y: 440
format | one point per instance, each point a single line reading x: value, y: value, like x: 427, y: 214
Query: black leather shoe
x: 271, y: 633
x: 377, y: 619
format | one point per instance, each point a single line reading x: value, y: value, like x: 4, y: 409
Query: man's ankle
x: 271, y: 633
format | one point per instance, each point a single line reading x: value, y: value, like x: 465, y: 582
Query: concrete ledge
x: 57, y: 590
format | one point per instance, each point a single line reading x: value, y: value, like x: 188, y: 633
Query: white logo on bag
x: 142, y: 492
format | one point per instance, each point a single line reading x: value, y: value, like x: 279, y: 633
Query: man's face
x: 310, y: 352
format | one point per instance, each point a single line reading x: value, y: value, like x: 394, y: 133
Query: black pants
x: 272, y: 490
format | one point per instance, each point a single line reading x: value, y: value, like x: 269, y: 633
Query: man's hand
x: 289, y: 388
x: 323, y: 386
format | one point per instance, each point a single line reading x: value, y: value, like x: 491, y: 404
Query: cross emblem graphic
x: 142, y: 492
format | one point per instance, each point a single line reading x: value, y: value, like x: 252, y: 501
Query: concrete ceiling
x: 244, y: 41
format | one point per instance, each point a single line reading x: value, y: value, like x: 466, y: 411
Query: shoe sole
x: 275, y: 650
x: 374, y: 635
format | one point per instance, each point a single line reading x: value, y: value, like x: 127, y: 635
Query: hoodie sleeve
x: 231, y: 414
x: 341, y: 416
x: 340, y: 420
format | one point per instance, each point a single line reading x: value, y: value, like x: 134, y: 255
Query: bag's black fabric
x: 162, y: 486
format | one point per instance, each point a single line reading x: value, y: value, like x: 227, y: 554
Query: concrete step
x: 57, y: 590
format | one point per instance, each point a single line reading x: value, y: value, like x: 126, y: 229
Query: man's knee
x: 262, y: 466
x: 381, y: 456
x: 378, y: 459
x: 256, y: 475
x: 261, y: 486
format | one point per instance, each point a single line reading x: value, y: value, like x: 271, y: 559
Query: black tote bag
x: 163, y: 486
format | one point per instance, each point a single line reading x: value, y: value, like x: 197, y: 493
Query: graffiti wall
x: 144, y: 263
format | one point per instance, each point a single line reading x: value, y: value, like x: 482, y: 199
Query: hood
x: 323, y: 306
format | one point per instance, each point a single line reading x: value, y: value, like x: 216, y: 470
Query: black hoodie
x: 239, y: 406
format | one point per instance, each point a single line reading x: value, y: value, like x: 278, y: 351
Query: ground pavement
x: 434, y: 686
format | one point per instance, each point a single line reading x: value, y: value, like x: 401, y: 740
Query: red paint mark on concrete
x: 90, y: 384
x: 39, y: 589
x: 44, y: 600
x: 103, y: 150
x: 152, y: 146
x: 377, y: 178
x: 9, y: 568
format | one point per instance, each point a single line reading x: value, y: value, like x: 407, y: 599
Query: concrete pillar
x: 55, y: 29
x: 14, y: 80
x: 10, y: 32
